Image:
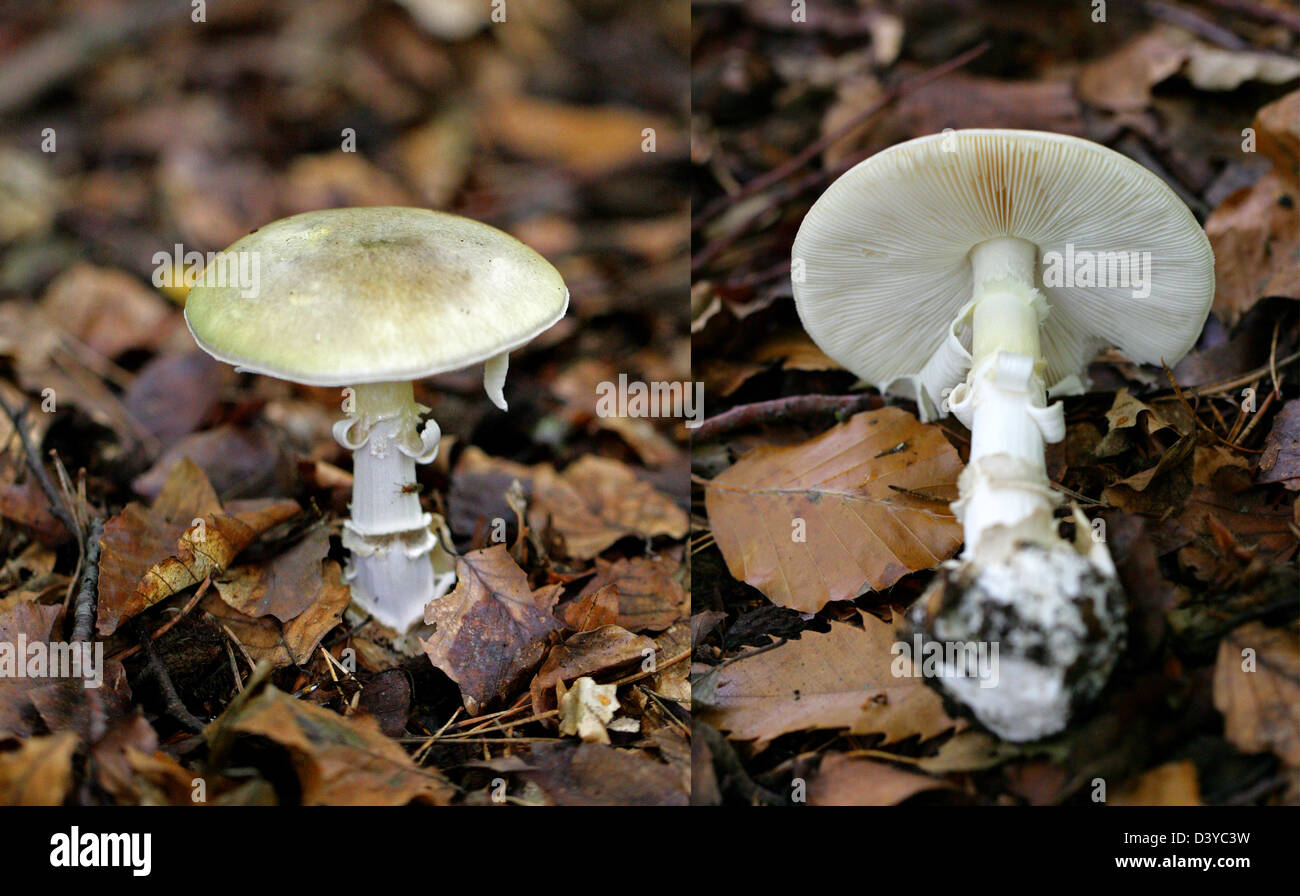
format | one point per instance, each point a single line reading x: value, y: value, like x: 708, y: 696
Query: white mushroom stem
x: 1003, y: 403
x: 389, y: 536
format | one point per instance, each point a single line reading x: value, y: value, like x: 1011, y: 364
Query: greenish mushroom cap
x: 363, y: 295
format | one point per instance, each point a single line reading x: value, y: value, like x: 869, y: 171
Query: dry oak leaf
x: 849, y: 781
x: 588, y: 653
x: 293, y: 642
x: 31, y: 622
x: 284, y: 587
x: 649, y: 596
x: 831, y: 518
x: 151, y: 553
x: 492, y: 628
x: 339, y: 761
x: 39, y: 772
x: 841, y: 679
x: 1259, y: 693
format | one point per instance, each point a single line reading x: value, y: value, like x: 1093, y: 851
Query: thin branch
x: 793, y: 407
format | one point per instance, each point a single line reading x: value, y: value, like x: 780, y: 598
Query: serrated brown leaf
x: 860, y: 531
x: 292, y: 642
x: 148, y: 554
x: 841, y: 679
x: 39, y: 772
x: 1261, y: 707
x: 339, y: 761
x: 491, y: 629
x: 649, y: 597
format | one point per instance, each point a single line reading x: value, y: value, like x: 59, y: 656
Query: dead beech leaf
x: 1277, y: 127
x: 850, y: 781
x: 590, y: 610
x: 1171, y: 784
x: 39, y: 772
x: 31, y: 622
x: 839, y: 492
x: 293, y: 642
x: 339, y: 761
x: 1255, y: 234
x: 1259, y: 693
x: 600, y: 775
x: 1122, y: 80
x: 587, y: 653
x: 649, y: 597
x: 151, y: 553
x: 491, y: 629
x: 841, y: 679
x: 284, y: 587
x: 108, y: 310
x: 596, y: 501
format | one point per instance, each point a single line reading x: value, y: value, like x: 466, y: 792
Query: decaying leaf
x: 590, y: 610
x: 1281, y: 460
x: 833, y: 517
x: 1257, y: 688
x: 283, y: 587
x: 588, y: 653
x: 148, y: 554
x: 599, y: 775
x: 841, y: 679
x: 339, y: 761
x: 32, y: 623
x: 491, y: 629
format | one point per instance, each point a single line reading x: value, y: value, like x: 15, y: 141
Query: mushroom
x: 373, y: 299
x: 977, y: 272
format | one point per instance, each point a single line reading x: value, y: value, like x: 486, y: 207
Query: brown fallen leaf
x: 339, y: 761
x: 599, y: 775
x: 841, y: 679
x: 148, y: 554
x: 109, y: 311
x: 649, y: 596
x: 1122, y: 80
x: 39, y: 772
x: 491, y: 629
x: 1277, y: 127
x: 293, y: 642
x: 283, y: 587
x: 592, y: 609
x: 851, y: 781
x: 825, y: 520
x: 1281, y: 460
x: 1255, y: 234
x: 1259, y: 693
x: 1171, y: 784
x: 33, y: 623
x: 608, y: 648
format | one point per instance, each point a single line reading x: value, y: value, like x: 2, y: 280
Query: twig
x: 812, y: 150
x: 794, y: 407
x: 175, y: 706
x: 1243, y: 380
x: 84, y: 609
x: 1196, y: 23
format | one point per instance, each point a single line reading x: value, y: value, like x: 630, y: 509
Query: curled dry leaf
x: 649, y: 596
x: 841, y: 679
x: 39, y: 772
x: 833, y: 517
x: 1257, y: 688
x: 148, y: 554
x: 339, y: 761
x: 293, y: 642
x: 492, y: 628
x: 850, y: 781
